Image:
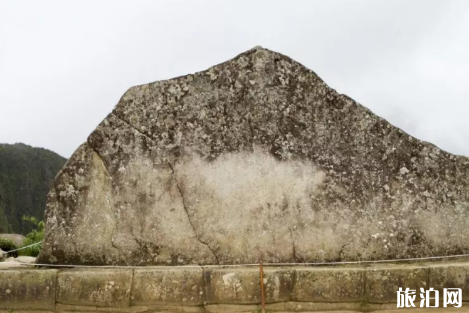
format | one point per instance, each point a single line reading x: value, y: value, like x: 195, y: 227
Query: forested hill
x: 26, y: 175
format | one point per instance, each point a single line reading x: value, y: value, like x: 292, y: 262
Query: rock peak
x: 258, y: 48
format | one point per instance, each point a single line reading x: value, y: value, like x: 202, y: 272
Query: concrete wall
x: 236, y: 289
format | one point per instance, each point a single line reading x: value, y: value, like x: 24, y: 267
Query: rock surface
x: 11, y: 264
x: 26, y: 259
x: 253, y: 159
x: 3, y: 255
x: 17, y: 239
x: 15, y: 262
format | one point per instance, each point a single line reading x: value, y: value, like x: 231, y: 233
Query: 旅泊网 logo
x: 429, y: 298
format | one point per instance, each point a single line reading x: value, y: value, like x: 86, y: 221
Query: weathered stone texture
x: 242, y: 285
x: 383, y: 281
x: 209, y: 289
x: 27, y: 289
x: 253, y: 159
x: 95, y: 287
x: 338, y: 284
x: 344, y: 307
x: 450, y: 275
x: 168, y: 285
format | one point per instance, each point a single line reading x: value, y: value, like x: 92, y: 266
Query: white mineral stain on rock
x: 227, y: 278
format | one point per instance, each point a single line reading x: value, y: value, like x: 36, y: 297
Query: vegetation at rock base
x: 34, y: 236
x: 7, y: 245
x: 26, y: 176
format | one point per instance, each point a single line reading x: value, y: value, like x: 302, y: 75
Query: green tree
x: 34, y: 236
x: 26, y: 176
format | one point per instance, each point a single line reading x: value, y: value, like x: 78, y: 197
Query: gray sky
x: 64, y: 65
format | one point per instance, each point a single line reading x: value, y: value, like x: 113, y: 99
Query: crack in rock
x: 132, y: 126
x: 174, y: 177
x: 251, y: 130
x: 341, y: 251
x: 293, y: 245
x: 173, y: 173
x: 99, y: 156
x: 110, y: 178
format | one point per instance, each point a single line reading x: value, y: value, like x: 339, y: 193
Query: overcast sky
x: 65, y: 64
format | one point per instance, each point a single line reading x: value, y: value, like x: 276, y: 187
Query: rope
x: 249, y: 264
x: 34, y: 244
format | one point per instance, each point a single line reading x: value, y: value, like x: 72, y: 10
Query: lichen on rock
x: 255, y: 159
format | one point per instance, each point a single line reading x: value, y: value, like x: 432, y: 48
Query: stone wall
x: 218, y: 289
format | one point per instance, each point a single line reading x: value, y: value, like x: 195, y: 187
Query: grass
x: 7, y: 245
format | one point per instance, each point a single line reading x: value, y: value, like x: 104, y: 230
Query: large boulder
x: 253, y: 159
x: 17, y: 239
